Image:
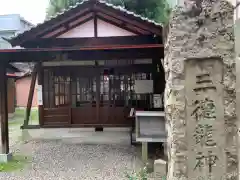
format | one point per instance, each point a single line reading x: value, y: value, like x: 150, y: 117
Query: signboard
x: 150, y: 126
x: 39, y: 95
x: 205, y: 119
x: 143, y: 86
x: 157, y: 100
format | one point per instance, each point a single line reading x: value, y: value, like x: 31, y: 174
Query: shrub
x: 141, y: 175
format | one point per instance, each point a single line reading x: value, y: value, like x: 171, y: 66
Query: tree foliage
x: 56, y: 6
x: 157, y: 10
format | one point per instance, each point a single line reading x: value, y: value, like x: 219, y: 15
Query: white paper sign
x: 157, y: 100
x: 131, y: 112
x: 143, y: 86
x: 39, y: 95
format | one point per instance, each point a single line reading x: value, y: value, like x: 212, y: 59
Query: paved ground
x: 60, y: 154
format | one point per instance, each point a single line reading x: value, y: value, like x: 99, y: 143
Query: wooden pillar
x: 145, y: 152
x: 95, y: 26
x: 30, y: 96
x: 40, y: 83
x: 98, y: 91
x: 4, y: 110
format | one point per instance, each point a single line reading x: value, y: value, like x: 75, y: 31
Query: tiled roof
x: 120, y: 8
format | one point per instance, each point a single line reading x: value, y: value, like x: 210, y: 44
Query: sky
x: 33, y: 11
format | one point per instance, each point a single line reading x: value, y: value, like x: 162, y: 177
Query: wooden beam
x: 123, y: 47
x: 129, y: 19
x: 37, y: 55
x: 51, y: 25
x: 94, y: 41
x: 90, y: 17
x: 95, y: 25
x: 59, y: 50
x: 30, y: 96
x: 40, y: 82
x: 55, y: 32
x: 4, y: 110
x: 121, y: 54
x: 98, y: 88
x: 121, y: 24
x: 56, y: 24
x: 69, y: 23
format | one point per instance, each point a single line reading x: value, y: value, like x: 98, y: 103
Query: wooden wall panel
x: 104, y: 115
x: 57, y: 116
x: 113, y: 116
x: 84, y: 115
x: 95, y: 111
x: 119, y: 115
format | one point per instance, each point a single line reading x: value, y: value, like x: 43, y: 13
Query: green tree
x: 56, y: 6
x: 157, y: 10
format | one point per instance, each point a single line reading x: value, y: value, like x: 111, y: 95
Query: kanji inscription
x: 205, y: 118
x: 204, y: 135
x: 204, y: 109
x: 208, y: 160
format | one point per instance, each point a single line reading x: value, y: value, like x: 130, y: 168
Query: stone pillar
x: 160, y: 169
x: 200, y: 95
x: 237, y: 51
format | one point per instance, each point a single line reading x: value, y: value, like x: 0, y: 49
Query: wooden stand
x: 145, y: 152
x: 132, y: 131
x: 150, y: 127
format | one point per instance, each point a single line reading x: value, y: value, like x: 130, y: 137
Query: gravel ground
x: 60, y: 160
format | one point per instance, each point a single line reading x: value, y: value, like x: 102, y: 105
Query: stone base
x: 160, y: 169
x: 4, y: 158
x: 30, y: 127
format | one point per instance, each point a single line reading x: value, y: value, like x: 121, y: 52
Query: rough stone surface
x: 199, y: 30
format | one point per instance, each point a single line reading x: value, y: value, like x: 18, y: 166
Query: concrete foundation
x: 4, y: 158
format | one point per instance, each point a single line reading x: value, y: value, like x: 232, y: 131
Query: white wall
x: 104, y: 30
x: 107, y: 30
x: 84, y: 30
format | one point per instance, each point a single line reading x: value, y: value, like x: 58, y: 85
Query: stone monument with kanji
x: 200, y: 95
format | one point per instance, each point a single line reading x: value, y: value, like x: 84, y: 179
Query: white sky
x: 32, y: 10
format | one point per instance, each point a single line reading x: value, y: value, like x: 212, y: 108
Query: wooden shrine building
x: 88, y: 58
